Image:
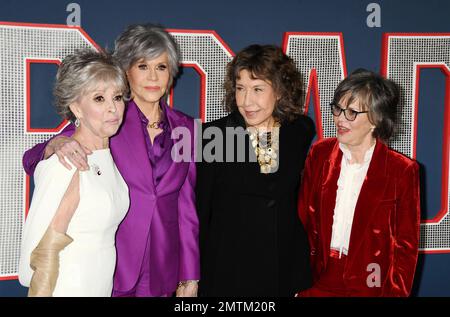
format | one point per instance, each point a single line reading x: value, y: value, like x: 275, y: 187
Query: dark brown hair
x: 268, y: 63
x: 375, y: 94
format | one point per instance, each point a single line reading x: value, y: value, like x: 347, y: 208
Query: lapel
x: 330, y: 175
x: 133, y: 144
x: 168, y: 180
x: 370, y: 197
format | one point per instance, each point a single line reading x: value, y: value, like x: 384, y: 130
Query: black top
x: 252, y: 242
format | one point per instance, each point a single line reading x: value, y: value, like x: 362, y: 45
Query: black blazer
x: 252, y: 242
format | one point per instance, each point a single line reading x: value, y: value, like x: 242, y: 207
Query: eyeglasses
x: 349, y: 114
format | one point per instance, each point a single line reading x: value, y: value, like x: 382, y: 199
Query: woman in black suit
x: 251, y: 240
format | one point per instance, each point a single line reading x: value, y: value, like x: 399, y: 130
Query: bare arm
x: 68, y: 205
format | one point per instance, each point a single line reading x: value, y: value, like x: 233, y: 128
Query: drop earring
x: 77, y: 122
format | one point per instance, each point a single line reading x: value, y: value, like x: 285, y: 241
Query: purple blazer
x: 165, y: 213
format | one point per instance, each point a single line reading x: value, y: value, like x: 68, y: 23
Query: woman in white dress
x: 68, y: 243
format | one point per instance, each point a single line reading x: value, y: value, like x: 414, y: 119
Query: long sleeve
x: 189, y: 225
x: 34, y: 155
x: 306, y: 179
x: 304, y: 197
x: 51, y: 182
x: 308, y: 132
x: 308, y: 206
x: 406, y: 236
x: 204, y: 193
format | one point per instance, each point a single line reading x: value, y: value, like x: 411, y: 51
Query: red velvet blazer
x: 386, y: 222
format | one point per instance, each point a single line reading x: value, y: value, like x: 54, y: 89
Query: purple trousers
x: 142, y: 286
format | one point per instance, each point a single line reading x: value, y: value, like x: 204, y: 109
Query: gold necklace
x: 153, y: 125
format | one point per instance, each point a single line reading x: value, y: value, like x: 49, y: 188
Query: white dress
x: 87, y: 264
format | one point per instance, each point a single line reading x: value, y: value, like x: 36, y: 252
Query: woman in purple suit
x: 157, y: 242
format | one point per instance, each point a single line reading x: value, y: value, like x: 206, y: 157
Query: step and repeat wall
x: 407, y: 41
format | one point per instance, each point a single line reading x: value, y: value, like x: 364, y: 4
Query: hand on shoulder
x: 68, y: 148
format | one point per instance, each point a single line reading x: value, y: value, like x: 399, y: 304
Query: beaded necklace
x: 266, y: 146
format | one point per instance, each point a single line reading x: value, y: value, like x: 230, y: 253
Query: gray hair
x: 79, y: 72
x: 146, y: 41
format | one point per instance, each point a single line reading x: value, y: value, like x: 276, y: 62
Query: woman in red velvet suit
x: 359, y: 200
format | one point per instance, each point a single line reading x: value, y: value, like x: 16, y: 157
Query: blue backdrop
x: 240, y: 23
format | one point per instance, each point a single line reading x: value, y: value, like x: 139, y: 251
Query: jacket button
x: 313, y: 251
x: 311, y: 209
x: 271, y: 203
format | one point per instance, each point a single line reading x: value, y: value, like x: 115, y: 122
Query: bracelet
x: 184, y: 283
